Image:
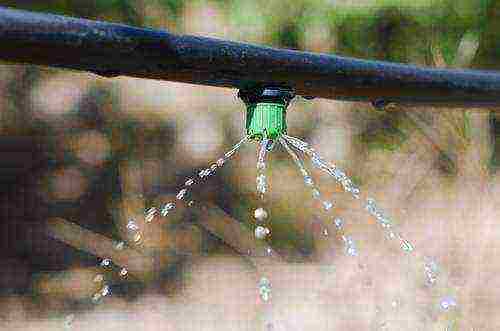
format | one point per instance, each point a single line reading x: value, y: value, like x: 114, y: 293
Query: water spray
x: 266, y: 109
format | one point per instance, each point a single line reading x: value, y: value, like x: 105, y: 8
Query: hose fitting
x: 266, y: 111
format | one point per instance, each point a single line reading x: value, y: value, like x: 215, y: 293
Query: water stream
x: 423, y: 264
x: 295, y: 148
x: 104, y: 277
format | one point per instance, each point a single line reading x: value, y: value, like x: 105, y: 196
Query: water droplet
x: 261, y: 184
x: 308, y: 181
x: 167, y: 208
x: 181, y: 194
x: 269, y: 251
x: 96, y: 298
x: 406, y: 245
x: 296, y: 141
x: 384, y: 222
x: 431, y: 271
x: 189, y: 182
x: 265, y: 289
x: 220, y: 162
x: 371, y: 207
x: 105, y: 290
x: 316, y: 194
x: 327, y: 205
x: 265, y: 296
x: 317, y: 162
x: 68, y: 321
x: 338, y: 223
x: 337, y: 174
x: 270, y: 145
x: 204, y: 173
x: 261, y: 232
x: 132, y: 226
x: 123, y: 272
x: 347, y: 183
x: 264, y: 282
x: 448, y: 303
x: 137, y: 238
x: 260, y: 214
x: 105, y: 263
x: 350, y: 246
x: 119, y: 246
x: 325, y: 232
x: 351, y: 251
x: 98, y: 278
x: 150, y: 214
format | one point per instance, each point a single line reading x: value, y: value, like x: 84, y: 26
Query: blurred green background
x: 69, y: 140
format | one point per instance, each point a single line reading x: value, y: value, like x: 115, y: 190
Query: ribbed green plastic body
x: 266, y: 118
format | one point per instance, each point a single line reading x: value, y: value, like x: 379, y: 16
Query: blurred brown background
x: 95, y: 152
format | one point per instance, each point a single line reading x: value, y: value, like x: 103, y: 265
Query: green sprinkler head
x: 266, y: 111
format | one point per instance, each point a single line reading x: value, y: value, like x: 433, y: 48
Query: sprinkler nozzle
x: 266, y: 111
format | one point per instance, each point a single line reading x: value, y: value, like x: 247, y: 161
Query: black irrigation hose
x: 109, y: 49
